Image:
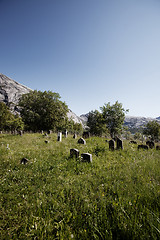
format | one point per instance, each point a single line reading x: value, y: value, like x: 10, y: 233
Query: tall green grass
x: 117, y: 196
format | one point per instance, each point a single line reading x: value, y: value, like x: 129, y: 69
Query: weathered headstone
x: 75, y: 136
x: 158, y: 147
x: 82, y: 141
x: 111, y: 144
x: 133, y: 142
x: 59, y: 137
x: 86, y: 135
x: 42, y: 132
x: 150, y: 144
x: 20, y: 133
x: 119, y: 144
x: 74, y: 153
x: 142, y: 146
x: 24, y: 160
x: 86, y: 157
x: 66, y: 134
x: 49, y: 131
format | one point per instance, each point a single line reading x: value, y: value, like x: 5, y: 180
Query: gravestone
x: 133, y: 142
x: 59, y: 137
x: 150, y: 144
x: 111, y: 145
x: 24, y: 161
x: 119, y: 144
x: 158, y: 147
x: 142, y: 146
x: 66, y: 134
x: 86, y: 157
x: 75, y: 136
x: 86, y: 135
x: 46, y: 141
x: 20, y: 133
x: 82, y: 141
x: 42, y: 132
x: 49, y: 131
x: 74, y: 153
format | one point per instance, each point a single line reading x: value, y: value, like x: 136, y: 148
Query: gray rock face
x: 11, y: 91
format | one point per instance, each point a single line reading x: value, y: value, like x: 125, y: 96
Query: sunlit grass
x: 117, y: 196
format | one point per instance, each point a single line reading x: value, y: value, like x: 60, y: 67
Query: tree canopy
x: 95, y: 123
x: 113, y: 117
x: 9, y: 121
x: 43, y: 110
x: 152, y: 129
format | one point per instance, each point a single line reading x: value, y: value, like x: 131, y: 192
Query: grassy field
x: 117, y: 196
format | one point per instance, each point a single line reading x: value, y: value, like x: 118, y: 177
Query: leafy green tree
x: 8, y: 121
x: 5, y: 116
x: 152, y: 129
x: 43, y: 110
x: 77, y: 128
x: 114, y: 116
x: 95, y: 123
x: 15, y: 123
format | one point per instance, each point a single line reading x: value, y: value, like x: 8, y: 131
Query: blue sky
x: 89, y: 51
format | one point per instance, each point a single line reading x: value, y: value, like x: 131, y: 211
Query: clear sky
x: 89, y: 51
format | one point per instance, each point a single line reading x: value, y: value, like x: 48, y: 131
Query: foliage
x: 56, y: 197
x: 43, y: 110
x: 152, y: 129
x: 114, y: 116
x: 95, y: 123
x: 9, y: 121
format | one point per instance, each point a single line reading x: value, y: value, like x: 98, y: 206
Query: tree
x: 152, y: 129
x: 8, y: 121
x: 95, y: 123
x: 42, y: 110
x: 114, y: 116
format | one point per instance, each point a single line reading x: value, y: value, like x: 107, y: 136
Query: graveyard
x: 59, y: 187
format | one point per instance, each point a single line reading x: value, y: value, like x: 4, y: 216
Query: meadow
x: 117, y: 196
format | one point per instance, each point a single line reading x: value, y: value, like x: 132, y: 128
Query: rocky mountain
x: 11, y: 91
x: 71, y: 115
x: 137, y: 122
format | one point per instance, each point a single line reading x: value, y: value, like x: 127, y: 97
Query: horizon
x: 90, y: 52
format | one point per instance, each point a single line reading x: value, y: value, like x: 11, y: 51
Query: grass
x: 117, y: 196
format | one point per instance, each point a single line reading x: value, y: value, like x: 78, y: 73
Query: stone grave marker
x: 86, y: 157
x: 119, y: 144
x: 81, y: 141
x: 111, y: 145
x: 74, y: 153
x: 59, y: 137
